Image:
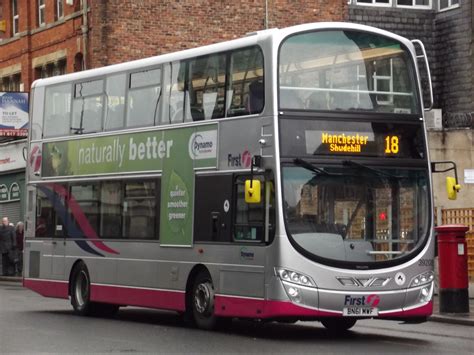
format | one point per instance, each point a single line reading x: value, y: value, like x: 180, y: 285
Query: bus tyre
x: 338, y: 324
x: 203, y: 302
x: 80, y: 290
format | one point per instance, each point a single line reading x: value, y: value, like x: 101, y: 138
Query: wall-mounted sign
x: 11, y: 157
x: 469, y: 176
x: 14, y: 114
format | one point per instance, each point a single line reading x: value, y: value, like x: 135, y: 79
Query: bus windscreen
x: 338, y: 70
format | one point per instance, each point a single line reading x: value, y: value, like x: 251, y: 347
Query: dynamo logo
x: 203, y: 145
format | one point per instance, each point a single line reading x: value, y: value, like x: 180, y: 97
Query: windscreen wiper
x: 307, y: 165
x: 377, y: 171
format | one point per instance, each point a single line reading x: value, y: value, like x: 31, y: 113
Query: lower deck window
x: 113, y: 210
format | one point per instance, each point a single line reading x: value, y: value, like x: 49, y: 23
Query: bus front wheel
x: 338, y: 324
x: 203, y: 302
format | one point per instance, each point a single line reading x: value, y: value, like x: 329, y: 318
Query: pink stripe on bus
x: 141, y: 297
x: 226, y: 306
x: 258, y: 308
x: 48, y: 288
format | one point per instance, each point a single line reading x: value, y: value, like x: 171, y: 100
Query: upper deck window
x: 57, y: 111
x: 143, y: 98
x: 88, y: 107
x: 346, y: 71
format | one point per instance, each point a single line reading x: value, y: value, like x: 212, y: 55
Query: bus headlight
x: 426, y: 293
x: 294, y: 277
x: 422, y: 279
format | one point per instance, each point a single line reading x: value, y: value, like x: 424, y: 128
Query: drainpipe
x: 85, y: 32
x: 266, y: 14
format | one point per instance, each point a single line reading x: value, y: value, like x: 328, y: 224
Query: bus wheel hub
x: 202, y: 298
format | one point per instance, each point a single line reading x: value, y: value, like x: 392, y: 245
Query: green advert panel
x: 177, y: 193
x: 197, y: 149
x: 130, y: 153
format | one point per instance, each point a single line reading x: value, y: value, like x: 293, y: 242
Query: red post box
x: 453, y: 278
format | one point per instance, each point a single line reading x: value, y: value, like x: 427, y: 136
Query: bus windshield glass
x: 346, y: 71
x: 355, y: 212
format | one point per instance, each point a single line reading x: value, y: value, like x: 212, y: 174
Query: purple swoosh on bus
x: 72, y: 229
x: 82, y: 220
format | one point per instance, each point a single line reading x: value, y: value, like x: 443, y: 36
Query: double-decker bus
x: 281, y: 176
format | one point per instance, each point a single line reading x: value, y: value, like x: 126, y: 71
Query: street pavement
x: 451, y: 318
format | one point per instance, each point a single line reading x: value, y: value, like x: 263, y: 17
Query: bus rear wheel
x: 338, y: 324
x: 80, y: 290
x: 80, y: 295
x: 202, y: 302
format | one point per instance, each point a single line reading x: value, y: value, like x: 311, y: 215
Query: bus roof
x: 274, y: 34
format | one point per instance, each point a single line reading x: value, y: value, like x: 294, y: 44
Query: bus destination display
x: 352, y: 143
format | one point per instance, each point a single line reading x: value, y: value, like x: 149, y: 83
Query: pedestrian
x: 7, y: 247
x: 19, y: 231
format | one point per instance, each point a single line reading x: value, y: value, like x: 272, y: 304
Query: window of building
x: 374, y: 2
x: 15, y: 17
x: 11, y: 83
x: 414, y: 3
x: 51, y: 69
x: 59, y: 9
x: 448, y: 4
x: 41, y: 12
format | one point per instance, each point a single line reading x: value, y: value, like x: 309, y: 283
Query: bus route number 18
x: 391, y: 145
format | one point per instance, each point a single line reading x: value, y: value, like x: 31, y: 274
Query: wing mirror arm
x: 452, y: 184
x: 253, y: 187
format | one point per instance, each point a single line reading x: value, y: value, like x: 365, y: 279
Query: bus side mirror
x: 252, y: 191
x: 452, y: 188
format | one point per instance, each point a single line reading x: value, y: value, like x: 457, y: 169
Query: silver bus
x: 282, y: 176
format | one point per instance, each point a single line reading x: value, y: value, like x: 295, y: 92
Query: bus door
x: 50, y: 214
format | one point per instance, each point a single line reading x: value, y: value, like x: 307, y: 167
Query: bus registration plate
x: 360, y: 311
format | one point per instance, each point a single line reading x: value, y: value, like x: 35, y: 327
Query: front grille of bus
x: 363, y: 281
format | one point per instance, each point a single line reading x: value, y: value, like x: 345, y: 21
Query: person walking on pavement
x: 7, y: 246
x: 19, y: 231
